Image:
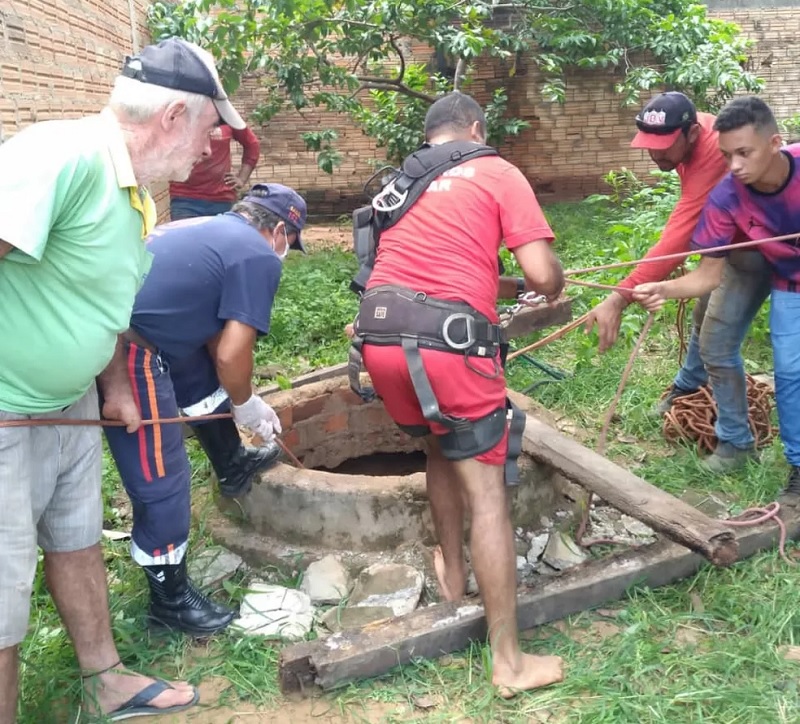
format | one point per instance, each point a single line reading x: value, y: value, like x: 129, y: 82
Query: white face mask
x: 285, y: 251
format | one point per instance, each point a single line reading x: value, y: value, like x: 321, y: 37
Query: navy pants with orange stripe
x: 153, y: 464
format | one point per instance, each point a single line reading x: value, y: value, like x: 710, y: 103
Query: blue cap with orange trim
x: 284, y: 202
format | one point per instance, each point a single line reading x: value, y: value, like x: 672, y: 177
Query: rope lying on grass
x: 691, y: 417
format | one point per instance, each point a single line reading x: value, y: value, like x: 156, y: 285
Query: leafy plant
x: 355, y: 57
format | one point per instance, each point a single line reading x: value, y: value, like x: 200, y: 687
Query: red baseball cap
x: 662, y: 120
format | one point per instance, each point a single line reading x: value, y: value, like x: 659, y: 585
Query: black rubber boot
x: 176, y: 604
x: 790, y: 495
x: 233, y: 462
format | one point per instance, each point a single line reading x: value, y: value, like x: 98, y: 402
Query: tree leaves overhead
x: 355, y: 56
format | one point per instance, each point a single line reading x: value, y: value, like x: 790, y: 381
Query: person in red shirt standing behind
x: 679, y: 138
x: 212, y: 187
x: 444, y: 249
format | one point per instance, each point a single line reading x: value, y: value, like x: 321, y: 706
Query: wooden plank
x: 663, y: 512
x: 325, y: 373
x: 532, y: 319
x: 436, y: 630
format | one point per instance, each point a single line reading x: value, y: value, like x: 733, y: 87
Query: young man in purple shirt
x: 760, y: 198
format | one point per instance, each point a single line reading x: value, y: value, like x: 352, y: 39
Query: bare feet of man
x: 452, y: 579
x: 528, y: 672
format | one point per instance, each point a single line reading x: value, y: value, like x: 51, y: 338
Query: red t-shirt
x: 207, y: 180
x: 446, y: 244
x: 701, y: 173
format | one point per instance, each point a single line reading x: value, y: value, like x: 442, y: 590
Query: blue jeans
x: 721, y: 321
x: 185, y: 208
x: 784, y: 330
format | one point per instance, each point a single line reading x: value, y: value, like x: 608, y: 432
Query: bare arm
x: 542, y: 270
x: 244, y: 172
x: 232, y: 352
x: 115, y: 387
x: 5, y: 247
x: 702, y: 280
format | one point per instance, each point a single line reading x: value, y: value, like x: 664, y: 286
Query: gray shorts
x: 49, y: 496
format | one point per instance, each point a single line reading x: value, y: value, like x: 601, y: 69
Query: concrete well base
x: 324, y: 425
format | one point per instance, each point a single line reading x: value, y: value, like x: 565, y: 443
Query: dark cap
x: 662, y: 120
x: 283, y: 202
x: 177, y: 64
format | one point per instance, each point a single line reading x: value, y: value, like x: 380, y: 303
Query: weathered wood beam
x: 532, y: 319
x: 436, y: 630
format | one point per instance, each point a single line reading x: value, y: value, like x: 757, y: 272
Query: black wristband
x: 520, y: 286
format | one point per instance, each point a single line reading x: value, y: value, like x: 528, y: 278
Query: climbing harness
x: 399, y: 191
x: 396, y: 316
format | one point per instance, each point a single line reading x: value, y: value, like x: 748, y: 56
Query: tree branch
x: 401, y: 74
x: 392, y: 85
x: 461, y: 68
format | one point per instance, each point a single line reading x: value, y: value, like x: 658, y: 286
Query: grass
x: 705, y: 650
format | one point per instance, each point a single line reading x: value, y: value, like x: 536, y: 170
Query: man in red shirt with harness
x: 440, y: 258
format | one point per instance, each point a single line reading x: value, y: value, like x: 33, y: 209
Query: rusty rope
x: 602, y: 440
x: 681, y: 255
x: 692, y: 417
x: 72, y: 422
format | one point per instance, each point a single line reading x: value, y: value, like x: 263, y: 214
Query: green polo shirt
x: 70, y: 205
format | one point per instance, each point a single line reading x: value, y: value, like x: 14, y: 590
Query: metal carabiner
x: 387, y: 193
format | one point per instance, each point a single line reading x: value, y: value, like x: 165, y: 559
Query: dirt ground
x: 301, y: 711
x: 324, y: 236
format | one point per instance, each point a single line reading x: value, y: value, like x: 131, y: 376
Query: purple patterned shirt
x: 734, y: 209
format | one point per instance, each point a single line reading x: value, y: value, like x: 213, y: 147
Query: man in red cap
x: 679, y: 138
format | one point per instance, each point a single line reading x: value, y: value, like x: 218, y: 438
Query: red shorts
x: 460, y: 391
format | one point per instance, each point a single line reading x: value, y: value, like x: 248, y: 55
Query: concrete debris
x: 537, y: 546
x: 714, y: 505
x: 562, y: 552
x: 472, y: 584
x: 211, y: 566
x: 636, y: 528
x: 521, y: 546
x: 275, y: 611
x: 346, y: 617
x: 326, y: 581
x: 394, y: 585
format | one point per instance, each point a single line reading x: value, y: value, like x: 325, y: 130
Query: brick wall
x: 567, y: 149
x: 59, y: 57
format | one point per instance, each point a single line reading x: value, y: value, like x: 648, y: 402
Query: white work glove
x: 258, y: 417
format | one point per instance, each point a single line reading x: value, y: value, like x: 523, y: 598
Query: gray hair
x: 262, y: 218
x: 139, y: 102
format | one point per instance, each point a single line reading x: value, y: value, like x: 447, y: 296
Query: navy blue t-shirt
x: 205, y: 271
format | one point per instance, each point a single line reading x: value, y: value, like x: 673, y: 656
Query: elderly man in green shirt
x: 72, y: 257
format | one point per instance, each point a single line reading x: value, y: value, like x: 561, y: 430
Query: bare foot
x: 532, y: 672
x: 452, y: 581
x: 112, y: 689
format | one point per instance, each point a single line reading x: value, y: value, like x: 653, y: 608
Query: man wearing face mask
x: 189, y: 347
x: 679, y: 138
